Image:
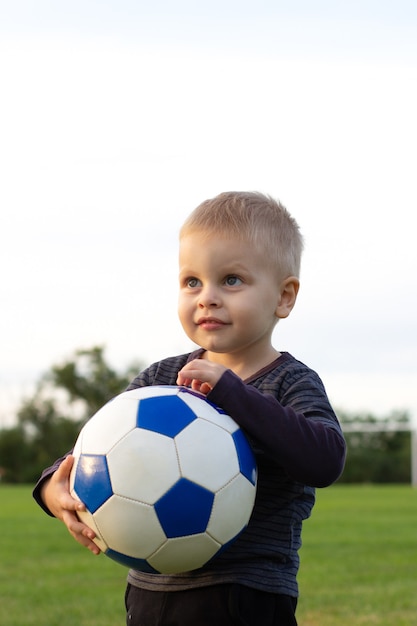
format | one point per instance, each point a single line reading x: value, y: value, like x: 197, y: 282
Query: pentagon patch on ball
x: 167, y: 478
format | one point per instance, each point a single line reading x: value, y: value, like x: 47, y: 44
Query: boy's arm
x: 302, y: 434
x: 308, y: 444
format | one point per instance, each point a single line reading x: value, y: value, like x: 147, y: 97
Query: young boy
x: 239, y: 274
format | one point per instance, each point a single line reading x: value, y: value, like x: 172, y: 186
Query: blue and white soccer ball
x: 168, y: 479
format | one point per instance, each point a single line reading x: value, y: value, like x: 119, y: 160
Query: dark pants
x: 219, y: 605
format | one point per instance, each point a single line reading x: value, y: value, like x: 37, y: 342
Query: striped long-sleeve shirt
x: 298, y: 444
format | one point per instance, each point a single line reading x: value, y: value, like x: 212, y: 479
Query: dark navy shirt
x: 298, y: 444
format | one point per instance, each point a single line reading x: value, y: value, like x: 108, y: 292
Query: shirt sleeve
x: 46, y: 474
x: 305, y: 439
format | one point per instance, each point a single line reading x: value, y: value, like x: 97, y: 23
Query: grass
x: 46, y: 578
x: 359, y: 560
x: 358, y: 564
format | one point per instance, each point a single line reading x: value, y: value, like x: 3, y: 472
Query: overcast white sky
x: 118, y: 117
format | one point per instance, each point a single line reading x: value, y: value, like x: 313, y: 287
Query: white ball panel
x: 129, y: 527
x: 143, y: 465
x: 223, y: 421
x: 88, y: 519
x: 207, y: 455
x: 78, y: 445
x: 108, y: 425
x: 184, y: 554
x: 198, y: 404
x: 237, y: 497
x: 74, y: 468
x: 205, y: 410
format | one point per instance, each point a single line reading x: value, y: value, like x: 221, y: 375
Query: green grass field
x: 358, y: 564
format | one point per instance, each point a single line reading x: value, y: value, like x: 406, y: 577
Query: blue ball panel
x: 247, y: 462
x: 92, y: 481
x: 167, y: 415
x: 185, y: 509
x: 140, y: 564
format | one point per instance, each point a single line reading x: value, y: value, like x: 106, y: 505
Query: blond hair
x: 254, y: 217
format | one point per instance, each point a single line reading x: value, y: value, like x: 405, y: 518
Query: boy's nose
x: 209, y: 298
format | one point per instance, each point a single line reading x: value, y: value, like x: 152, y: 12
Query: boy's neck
x: 243, y: 366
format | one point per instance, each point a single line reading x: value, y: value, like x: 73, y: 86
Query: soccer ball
x: 167, y: 478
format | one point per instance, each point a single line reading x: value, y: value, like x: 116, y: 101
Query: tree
x: 15, y: 455
x: 379, y: 449
x: 48, y: 423
x: 89, y: 380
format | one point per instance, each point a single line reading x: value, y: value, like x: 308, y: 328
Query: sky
x: 117, y: 118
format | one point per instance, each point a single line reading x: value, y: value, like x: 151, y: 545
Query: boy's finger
x: 64, y: 469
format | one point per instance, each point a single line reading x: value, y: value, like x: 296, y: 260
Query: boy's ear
x: 288, y: 295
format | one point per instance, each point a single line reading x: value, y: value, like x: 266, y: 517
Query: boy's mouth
x: 210, y: 323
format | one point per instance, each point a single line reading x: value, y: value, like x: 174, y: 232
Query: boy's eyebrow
x: 228, y: 266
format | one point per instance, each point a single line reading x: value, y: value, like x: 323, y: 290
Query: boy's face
x: 230, y: 297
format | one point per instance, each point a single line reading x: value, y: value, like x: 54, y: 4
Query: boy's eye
x: 232, y: 281
x: 192, y: 283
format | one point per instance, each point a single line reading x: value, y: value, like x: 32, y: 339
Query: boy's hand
x: 200, y: 375
x: 56, y: 496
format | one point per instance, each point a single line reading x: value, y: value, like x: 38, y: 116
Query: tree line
x: 47, y: 424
